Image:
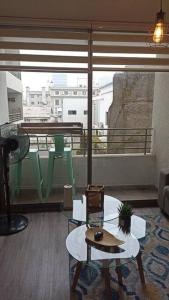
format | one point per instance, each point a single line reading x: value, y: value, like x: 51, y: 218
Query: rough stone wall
x: 131, y: 108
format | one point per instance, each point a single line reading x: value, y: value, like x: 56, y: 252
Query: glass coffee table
x: 83, y: 253
x: 78, y: 211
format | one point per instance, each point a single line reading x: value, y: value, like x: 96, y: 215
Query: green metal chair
x: 64, y: 153
x: 16, y: 174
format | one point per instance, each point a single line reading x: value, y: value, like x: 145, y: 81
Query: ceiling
x: 114, y: 11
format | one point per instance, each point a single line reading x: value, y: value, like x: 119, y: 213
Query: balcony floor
x: 137, y: 196
x: 34, y: 262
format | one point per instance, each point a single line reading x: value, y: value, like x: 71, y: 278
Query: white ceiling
x: 88, y: 10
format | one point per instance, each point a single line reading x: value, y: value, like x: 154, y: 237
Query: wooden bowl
x: 108, y: 241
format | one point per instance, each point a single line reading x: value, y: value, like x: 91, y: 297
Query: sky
x: 36, y: 80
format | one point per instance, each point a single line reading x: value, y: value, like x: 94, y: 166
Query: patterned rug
x: 155, y: 246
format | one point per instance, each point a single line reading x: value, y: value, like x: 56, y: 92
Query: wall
x: 13, y: 83
x: 3, y: 99
x: 78, y: 104
x: 160, y: 122
x: 10, y: 86
x: 116, y: 170
x: 132, y: 100
x: 104, y: 101
x: 131, y: 108
x: 15, y: 103
x: 124, y: 170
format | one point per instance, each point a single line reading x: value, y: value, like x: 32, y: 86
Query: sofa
x: 163, y: 196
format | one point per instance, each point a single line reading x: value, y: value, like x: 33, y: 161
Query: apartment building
x: 10, y: 97
x: 58, y: 103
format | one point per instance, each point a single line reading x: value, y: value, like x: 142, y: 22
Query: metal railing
x: 104, y: 141
x: 15, y: 116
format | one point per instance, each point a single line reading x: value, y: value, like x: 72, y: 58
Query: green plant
x: 125, y: 213
x: 125, y: 210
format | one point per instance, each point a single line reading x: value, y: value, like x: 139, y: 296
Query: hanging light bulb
x: 159, y: 30
x: 158, y: 34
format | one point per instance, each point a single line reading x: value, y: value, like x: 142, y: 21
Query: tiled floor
x: 123, y: 194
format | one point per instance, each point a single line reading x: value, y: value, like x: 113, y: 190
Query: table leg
x: 120, y: 279
x: 106, y: 275
x: 76, y: 275
x: 118, y: 271
x: 140, y: 267
x: 73, y: 295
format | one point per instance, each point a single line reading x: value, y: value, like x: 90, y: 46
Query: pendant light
x: 158, y: 34
x: 159, y: 30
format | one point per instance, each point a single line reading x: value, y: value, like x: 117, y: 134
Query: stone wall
x: 131, y: 108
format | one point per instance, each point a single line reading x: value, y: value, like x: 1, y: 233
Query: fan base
x: 18, y: 223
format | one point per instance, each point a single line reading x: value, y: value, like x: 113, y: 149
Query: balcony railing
x: 104, y: 141
x: 15, y: 116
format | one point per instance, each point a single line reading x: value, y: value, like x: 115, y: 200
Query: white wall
x: 160, y: 122
x: 78, y: 104
x: 124, y: 170
x: 18, y: 101
x: 110, y: 170
x: 104, y: 100
x: 13, y: 83
x: 4, y: 117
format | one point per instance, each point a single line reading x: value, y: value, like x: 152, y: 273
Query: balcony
x: 15, y: 116
x: 122, y: 161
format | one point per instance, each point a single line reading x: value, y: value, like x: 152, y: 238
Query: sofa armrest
x: 165, y: 200
x: 163, y: 181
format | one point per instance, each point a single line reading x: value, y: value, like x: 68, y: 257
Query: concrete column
x: 44, y: 95
x: 28, y: 96
x: 160, y: 122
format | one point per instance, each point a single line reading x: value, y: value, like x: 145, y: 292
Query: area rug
x: 155, y: 249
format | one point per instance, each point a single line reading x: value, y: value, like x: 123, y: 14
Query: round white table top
x: 81, y: 251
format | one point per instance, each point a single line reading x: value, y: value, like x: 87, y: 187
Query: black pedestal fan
x: 14, y: 145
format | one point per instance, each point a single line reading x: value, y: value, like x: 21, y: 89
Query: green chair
x: 64, y: 153
x: 16, y: 174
